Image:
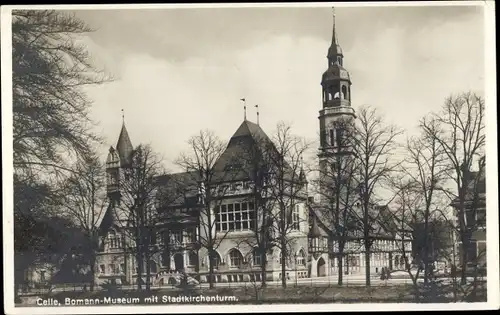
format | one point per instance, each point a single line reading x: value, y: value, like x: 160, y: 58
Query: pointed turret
x: 124, y: 147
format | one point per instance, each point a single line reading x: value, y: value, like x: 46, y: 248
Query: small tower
x: 116, y: 161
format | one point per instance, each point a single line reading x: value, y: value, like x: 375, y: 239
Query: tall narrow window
x: 332, y: 137
x: 296, y: 218
x: 152, y: 237
x: 344, y: 92
x: 339, y: 137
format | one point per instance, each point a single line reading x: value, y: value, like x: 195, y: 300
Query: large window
x: 296, y: 218
x: 236, y: 258
x: 235, y: 217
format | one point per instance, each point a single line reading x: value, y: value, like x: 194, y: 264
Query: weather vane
x: 244, y: 108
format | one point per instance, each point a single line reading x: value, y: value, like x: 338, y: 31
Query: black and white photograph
x: 249, y: 157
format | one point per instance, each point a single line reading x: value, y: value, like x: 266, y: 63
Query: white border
x: 491, y: 167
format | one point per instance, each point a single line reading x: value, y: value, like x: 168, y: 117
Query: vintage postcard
x: 249, y: 157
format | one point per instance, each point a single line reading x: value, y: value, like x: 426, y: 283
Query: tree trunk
x: 263, y: 268
x: 148, y: 264
x: 367, y: 265
x: 140, y: 266
x: 340, y: 262
x: 92, y: 272
x: 283, y: 262
x: 148, y: 274
x: 211, y: 256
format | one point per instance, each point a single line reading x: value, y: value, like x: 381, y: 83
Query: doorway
x: 321, y: 267
x: 179, y: 262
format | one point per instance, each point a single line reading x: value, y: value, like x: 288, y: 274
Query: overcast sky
x: 181, y: 70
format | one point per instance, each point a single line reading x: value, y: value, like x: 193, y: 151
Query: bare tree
x: 201, y: 167
x: 374, y: 146
x: 50, y: 109
x: 426, y: 169
x: 337, y: 187
x: 136, y: 207
x: 85, y: 202
x: 461, y: 135
x: 287, y: 187
x: 262, y: 241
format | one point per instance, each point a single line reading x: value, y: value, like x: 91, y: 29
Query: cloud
x: 404, y: 70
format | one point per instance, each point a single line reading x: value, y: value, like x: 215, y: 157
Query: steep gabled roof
x: 248, y: 143
x: 235, y: 162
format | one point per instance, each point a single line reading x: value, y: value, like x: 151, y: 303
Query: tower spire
x: 334, y: 52
x: 334, y: 36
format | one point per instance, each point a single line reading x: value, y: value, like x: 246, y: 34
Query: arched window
x: 235, y: 257
x: 336, y: 95
x: 217, y: 259
x: 301, y: 258
x: 257, y: 258
x: 402, y: 262
x: 329, y: 96
x: 344, y: 92
x: 349, y: 93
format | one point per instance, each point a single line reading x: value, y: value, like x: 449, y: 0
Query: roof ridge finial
x: 123, y: 116
x: 257, y: 106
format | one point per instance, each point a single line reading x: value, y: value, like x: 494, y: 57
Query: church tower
x: 336, y: 113
x: 336, y: 117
